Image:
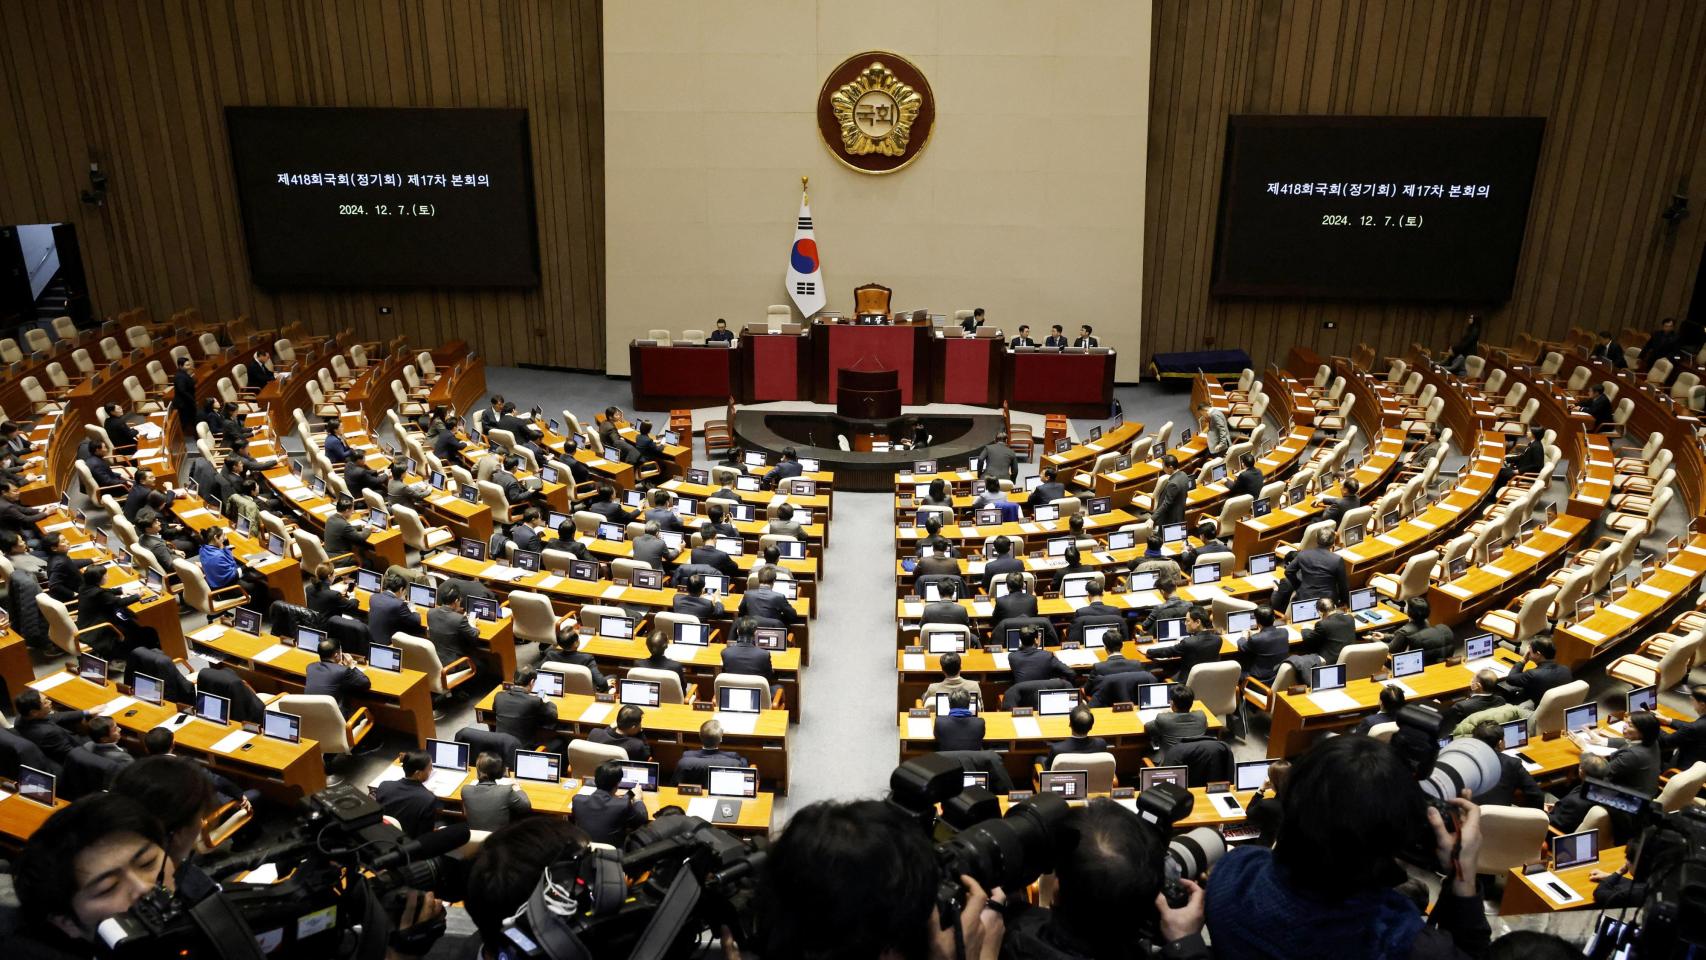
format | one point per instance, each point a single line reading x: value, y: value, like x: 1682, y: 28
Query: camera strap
x: 221, y: 923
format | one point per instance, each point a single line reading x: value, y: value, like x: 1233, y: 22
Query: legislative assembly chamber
x: 1264, y: 446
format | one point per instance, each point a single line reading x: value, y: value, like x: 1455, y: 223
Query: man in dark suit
x: 1117, y: 662
x: 1636, y: 765
x: 609, y: 813
x: 948, y: 609
x: 119, y: 431
x: 1023, y: 339
x: 1086, y: 337
x: 744, y: 655
x: 448, y: 447
x: 605, y: 504
x: 259, y: 368
x: 523, y: 714
x: 717, y: 517
x: 1661, y: 343
x: 217, y: 678
x: 616, y: 446
x: 959, y: 729
x: 1208, y: 534
x: 1539, y: 672
x: 1049, y: 490
x: 1171, y: 606
x: 1337, y: 507
x: 335, y: 675
x: 765, y: 605
x: 691, y: 600
x: 1094, y: 610
x: 651, y: 452
x: 1567, y: 814
x: 1317, y: 572
x: 1597, y: 405
x: 1080, y: 722
x: 998, y: 460
x: 722, y: 334
x: 707, y: 554
x: 1182, y: 721
x: 183, y: 396
x: 1032, y: 662
x: 519, y: 427
x: 1002, y: 564
x: 102, y: 470
x: 651, y: 550
x: 1436, y: 642
x: 1528, y: 458
x: 388, y: 613
x: 627, y: 732
x: 1483, y: 695
x: 1266, y: 648
x: 407, y: 799
x: 1335, y: 631
x: 342, y: 535
x: 1516, y: 786
x: 1201, y: 645
x: 787, y: 466
x: 1608, y: 349
x: 515, y: 491
x: 933, y: 536
x: 449, y: 628
x: 49, y: 730
x: 936, y: 563
x: 568, y: 650
x: 694, y: 765
x: 159, y: 665
x: 14, y: 516
x: 1016, y: 602
x: 1686, y: 743
x: 1169, y: 506
x: 1056, y: 337
x: 660, y: 513
x: 528, y: 533
x: 1249, y: 481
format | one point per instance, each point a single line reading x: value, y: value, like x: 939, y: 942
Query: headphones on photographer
x: 582, y: 887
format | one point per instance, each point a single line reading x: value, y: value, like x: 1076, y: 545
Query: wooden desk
x: 283, y: 575
x: 1487, y: 585
x: 702, y: 666
x: 1257, y: 535
x: 400, y: 701
x: 16, y: 671
x: 21, y: 818
x: 1378, y: 553
x: 287, y: 772
x: 1020, y: 745
x: 1082, y: 456
x: 1203, y: 811
x: 1296, y: 717
x: 1671, y: 583
x: 673, y: 729
x: 1523, y: 895
x: 1020, y: 531
x: 558, y: 800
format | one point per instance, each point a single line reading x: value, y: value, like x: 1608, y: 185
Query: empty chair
x: 585, y: 757
x: 659, y: 335
x: 324, y: 723
x: 1548, y: 714
x: 1363, y: 660
x: 1528, y: 619
x: 1216, y: 686
x: 1683, y: 788
x: 1510, y: 837
x: 1099, y: 766
x: 1663, y: 665
x: 420, y: 655
x: 1411, y: 581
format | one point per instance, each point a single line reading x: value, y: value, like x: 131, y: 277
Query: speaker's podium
x: 869, y: 394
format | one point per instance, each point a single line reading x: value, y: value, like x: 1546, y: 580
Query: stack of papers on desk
x: 115, y: 705
x: 1334, y: 701
x: 444, y: 783
x: 1027, y: 727
x: 597, y: 713
x: 741, y: 723
x: 232, y: 741
x: 272, y: 653
x: 702, y: 807
x: 1077, y: 658
x: 920, y: 728
x: 912, y: 661
x: 1487, y: 663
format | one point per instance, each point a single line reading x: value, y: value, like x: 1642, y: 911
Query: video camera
x: 342, y: 866
x: 1667, y: 888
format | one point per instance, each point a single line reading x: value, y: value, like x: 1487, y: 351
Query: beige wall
x: 1028, y: 200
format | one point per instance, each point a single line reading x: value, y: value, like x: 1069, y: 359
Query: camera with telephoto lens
x: 678, y: 878
x: 1443, y: 769
x: 343, y: 869
x: 1190, y: 854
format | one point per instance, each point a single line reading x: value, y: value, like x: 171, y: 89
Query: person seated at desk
x: 743, y: 654
x: 1032, y: 662
x: 488, y: 418
x: 726, y: 491
x: 1208, y: 532
x: 764, y: 604
x: 1113, y: 641
x: 449, y: 628
x: 1335, y: 631
x: 970, y: 324
x: 50, y: 730
x: 1200, y: 645
x: 337, y: 450
x: 244, y: 503
x: 1597, y: 405
x: 529, y: 532
x: 1686, y: 743
x: 568, y: 650
x: 657, y: 643
x: 722, y: 334
x: 1050, y: 490
x: 627, y: 732
x: 1094, y: 610
x: 448, y: 447
x: 1002, y: 564
x: 399, y: 492
x: 1156, y: 561
x: 105, y: 474
x: 785, y: 524
x: 1171, y: 606
x: 717, y: 517
x: 694, y: 767
x: 326, y: 599
x: 1392, y: 700
x: 1426, y: 450
x: 650, y: 452
x: 787, y: 466
x: 1436, y: 642
x: 1608, y: 349
x: 525, y: 715
x: 1483, y: 695
x: 15, y: 518
x: 1662, y: 342
x: 1313, y: 572
x: 708, y: 555
x: 933, y: 536
x: 1567, y: 813
x: 64, y: 572
x: 335, y: 675
x: 1337, y: 507
x: 605, y: 503
x: 946, y: 610
x: 951, y: 681
x: 1085, y: 337
x: 490, y: 805
x: 1530, y: 457
x: 1073, y: 563
x: 259, y: 369
x: 959, y: 728
x: 389, y: 612
x: 85, y: 865
x: 1538, y: 672
x: 1181, y: 721
x: 616, y: 446
x: 1016, y: 602
x: 937, y: 494
x: 1056, y: 338
x: 516, y: 490
x: 990, y: 495
x: 650, y: 549
x: 99, y: 605
x: 119, y: 430
x: 343, y: 534
x: 1266, y: 648
x: 690, y: 599
x: 360, y: 478
x: 1249, y: 481
x: 936, y: 563
x: 610, y: 812
x: 103, y: 742
x: 1215, y: 429
x: 1516, y: 786
x: 407, y: 799
x: 1636, y: 764
x: 1023, y: 338
x: 1080, y: 721
x: 521, y: 429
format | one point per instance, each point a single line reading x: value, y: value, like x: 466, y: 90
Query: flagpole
x: 804, y: 196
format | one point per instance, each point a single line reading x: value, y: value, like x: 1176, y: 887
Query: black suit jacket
x: 412, y: 805
x: 1316, y: 572
x: 1014, y: 605
x: 122, y: 434
x: 1035, y: 663
x: 183, y: 394
x: 1247, y: 482
x: 959, y: 733
x: 451, y: 634
x: 767, y: 605
x: 387, y: 614
x: 715, y: 559
x: 694, y: 606
x: 1170, y: 501
x: 607, y: 818
x: 1074, y: 745
x: 336, y: 681
x: 637, y: 747
x: 1197, y: 648
x: 1463, y: 709
x: 1115, y: 664
x: 523, y: 715
x: 246, y: 706
x: 1264, y: 651
x: 749, y: 659
x: 1688, y: 740
x: 694, y: 765
x: 328, y: 603
x: 1045, y: 493
x: 157, y: 664
x: 946, y: 611
x: 1532, y: 684
x: 1513, y: 779
x: 1330, y: 635
x: 52, y: 734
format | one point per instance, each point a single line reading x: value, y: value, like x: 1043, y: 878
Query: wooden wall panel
x: 142, y: 84
x: 1620, y: 84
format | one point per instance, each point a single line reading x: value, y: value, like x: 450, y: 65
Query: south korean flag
x: 805, y: 271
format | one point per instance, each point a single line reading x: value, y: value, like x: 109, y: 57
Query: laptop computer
x: 1304, y: 611
x: 538, y: 766
x: 1262, y: 563
x: 1045, y: 512
x: 1056, y: 703
x: 308, y: 638
x: 1327, y: 677
x: 738, y: 782
x: 1408, y: 664
x: 639, y: 775
x: 1575, y: 849
x: 942, y: 706
x: 1170, y: 628
x: 383, y: 657
x: 483, y: 608
x: 212, y: 707
x: 92, y: 668
x: 281, y: 726
x: 1148, y: 777
x: 146, y: 688
x: 247, y: 620
x: 1066, y: 784
x: 471, y: 549
x: 640, y: 693
x: 36, y: 785
x: 739, y: 700
x: 1250, y: 774
x: 1363, y: 602
x: 1584, y: 715
x: 1205, y: 573
x: 1173, y: 533
x: 1238, y: 621
x: 1122, y: 540
x: 422, y: 595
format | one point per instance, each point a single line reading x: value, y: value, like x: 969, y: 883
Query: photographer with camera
x: 860, y: 880
x: 88, y: 862
x: 1108, y: 902
x: 1352, y: 806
